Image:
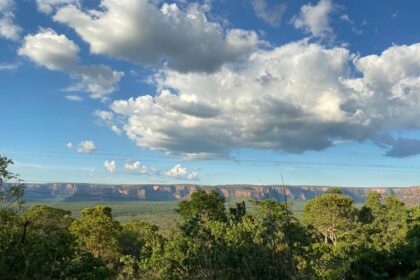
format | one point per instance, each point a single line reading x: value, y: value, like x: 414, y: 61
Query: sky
x: 211, y: 92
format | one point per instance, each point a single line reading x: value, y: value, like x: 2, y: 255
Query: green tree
x: 201, y: 208
x: 244, y: 247
x: 373, y: 208
x: 12, y: 231
x: 37, y: 243
x: 332, y: 215
x: 384, y: 224
x: 45, y: 248
x: 97, y: 232
x: 48, y: 244
x: 142, y: 246
x: 11, y: 247
x: 285, y: 238
x: 238, y: 212
x: 335, y: 191
x: 391, y: 247
x: 11, y: 187
x: 47, y: 220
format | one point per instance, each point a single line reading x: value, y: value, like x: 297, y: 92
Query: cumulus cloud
x: 57, y: 52
x: 86, y: 147
x: 315, y: 19
x: 278, y: 99
x: 8, y: 28
x: 293, y: 98
x: 99, y: 80
x: 69, y: 145
x: 271, y: 15
x: 143, y: 32
x: 137, y: 167
x: 389, y: 90
x: 116, y: 129
x: 51, y: 50
x: 110, y: 165
x: 180, y: 172
x: 48, y: 6
x: 176, y: 172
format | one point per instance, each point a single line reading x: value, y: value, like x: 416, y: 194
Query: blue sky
x: 211, y: 92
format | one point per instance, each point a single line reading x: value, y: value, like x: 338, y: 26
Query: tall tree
x: 11, y: 187
x: 332, y: 214
x: 203, y: 207
x: 97, y: 232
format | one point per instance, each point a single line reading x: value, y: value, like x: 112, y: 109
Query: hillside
x: 93, y: 192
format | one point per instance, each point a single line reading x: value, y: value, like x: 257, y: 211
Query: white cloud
x: 346, y: 18
x: 86, y: 147
x: 107, y: 118
x: 180, y: 172
x: 136, y: 167
x: 8, y: 28
x: 69, y: 145
x: 389, y: 91
x: 51, y: 50
x: 314, y: 19
x: 176, y: 172
x: 266, y: 102
x: 57, y: 52
x: 9, y: 66
x: 271, y: 15
x: 104, y: 116
x: 110, y: 165
x: 183, y: 39
x: 99, y: 80
x: 294, y: 98
x: 48, y: 6
x: 74, y: 98
x: 116, y: 129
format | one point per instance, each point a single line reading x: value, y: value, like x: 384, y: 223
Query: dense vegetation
x: 160, y: 213
x: 334, y: 240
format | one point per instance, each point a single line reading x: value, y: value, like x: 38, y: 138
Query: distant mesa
x: 153, y: 192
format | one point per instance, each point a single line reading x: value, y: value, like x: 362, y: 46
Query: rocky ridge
x: 96, y: 192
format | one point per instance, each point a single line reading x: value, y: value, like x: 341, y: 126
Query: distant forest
x: 333, y: 239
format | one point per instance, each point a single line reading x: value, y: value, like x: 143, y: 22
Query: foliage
x: 98, y: 233
x: 203, y: 207
x: 37, y: 244
x: 12, y: 192
x: 332, y: 214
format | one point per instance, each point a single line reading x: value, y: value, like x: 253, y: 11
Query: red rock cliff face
x: 88, y: 192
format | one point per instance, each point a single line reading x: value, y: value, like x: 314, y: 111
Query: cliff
x: 94, y: 192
